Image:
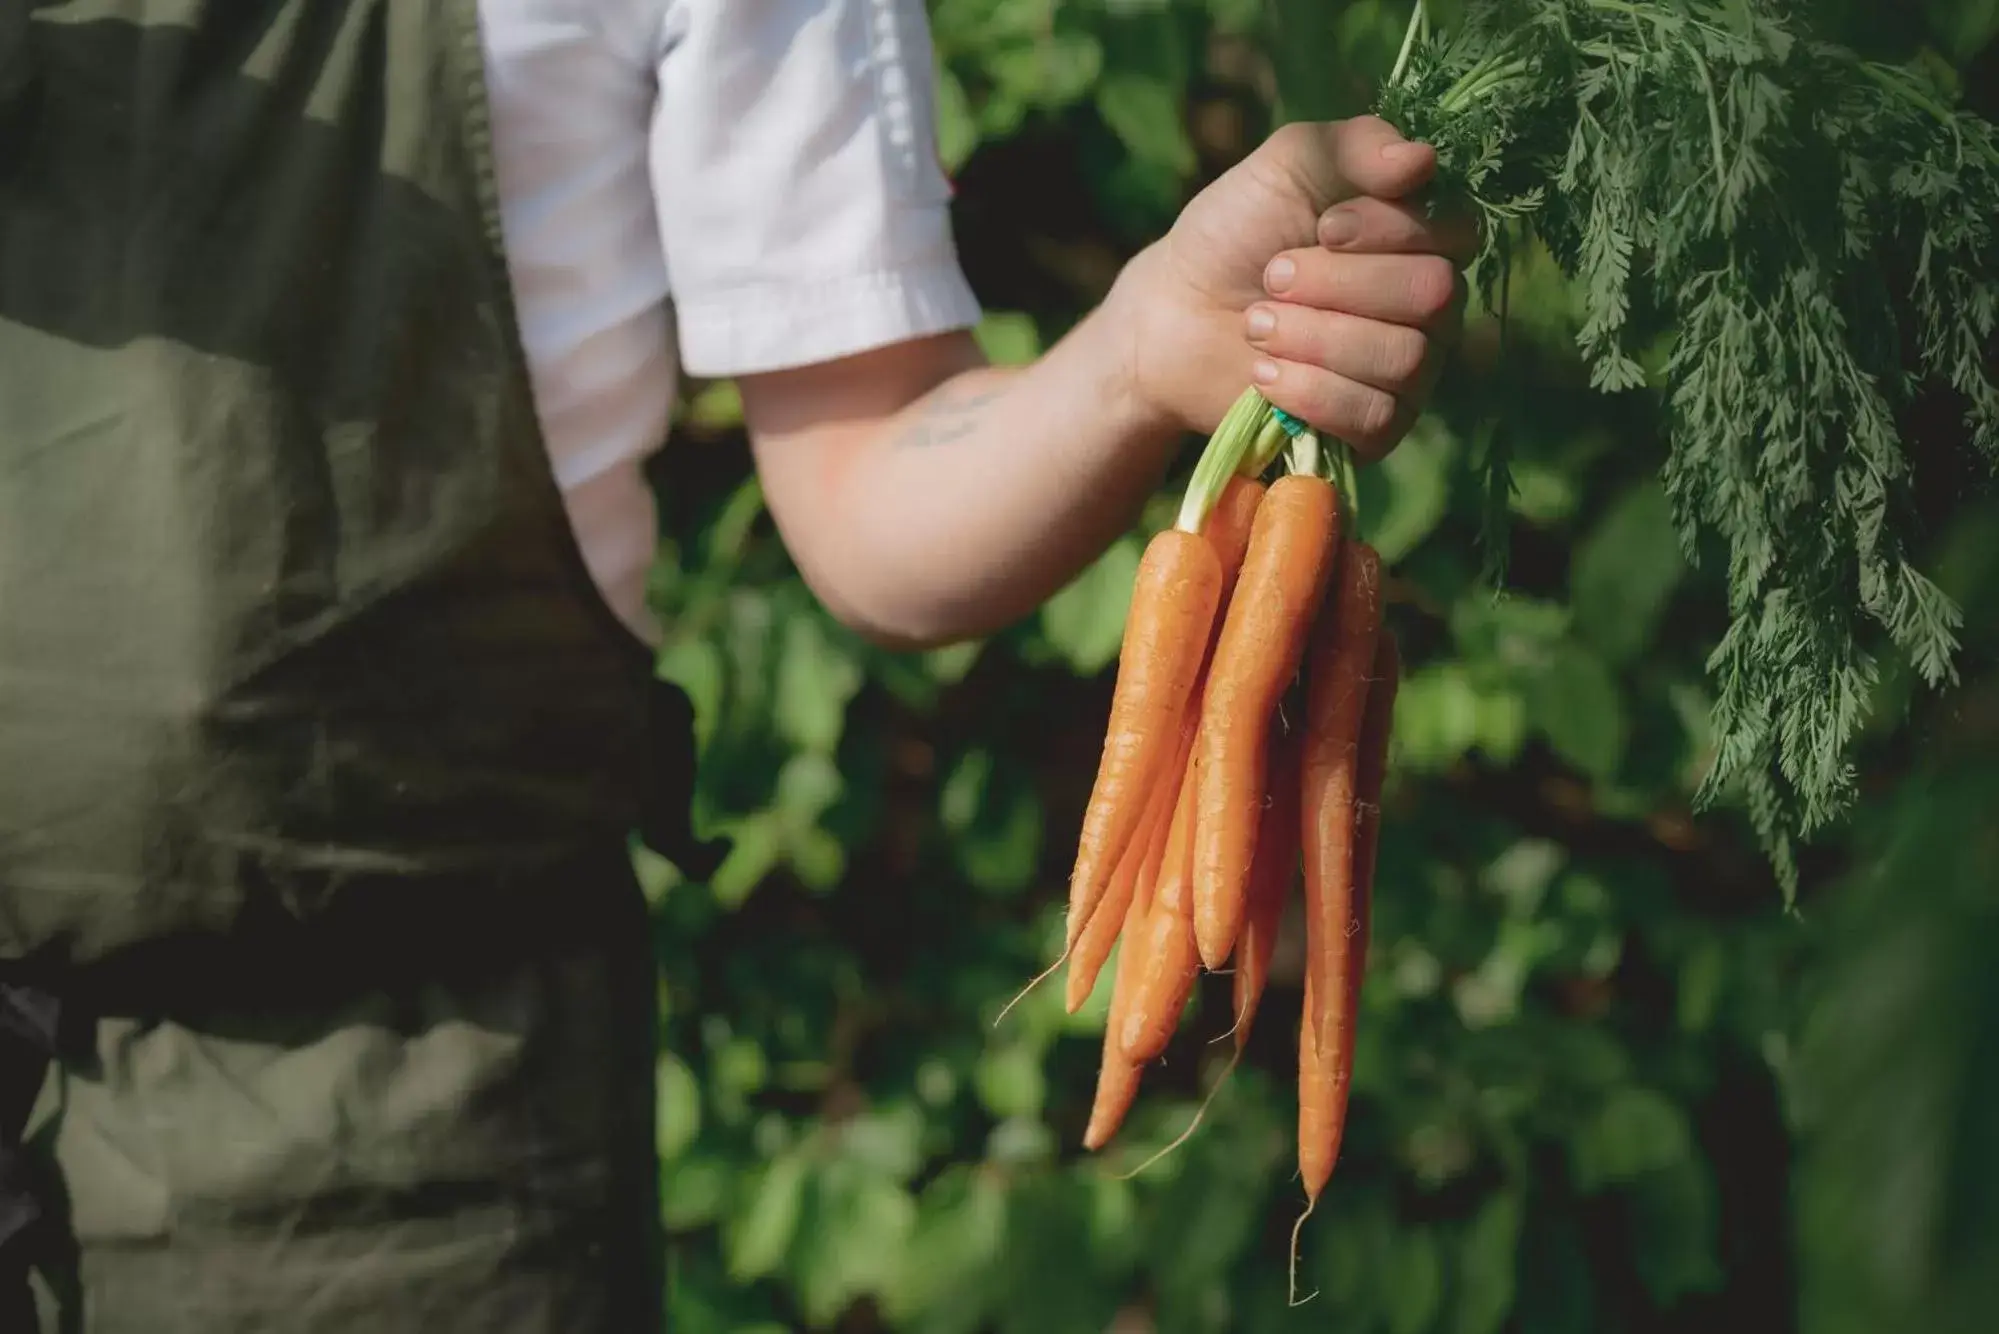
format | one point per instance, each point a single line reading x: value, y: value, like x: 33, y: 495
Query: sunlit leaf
x: 1085, y: 621
x: 759, y: 1236
x: 1624, y: 573
x: 1575, y: 703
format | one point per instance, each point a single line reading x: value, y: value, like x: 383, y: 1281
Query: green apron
x: 321, y: 959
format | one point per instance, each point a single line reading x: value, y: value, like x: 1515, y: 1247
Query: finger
x: 1416, y: 290
x: 1371, y: 420
x: 1386, y: 227
x: 1389, y: 357
x: 1373, y: 158
x: 1327, y: 162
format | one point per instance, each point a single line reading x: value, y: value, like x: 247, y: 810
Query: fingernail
x: 1265, y: 372
x: 1403, y: 151
x: 1339, y: 228
x: 1279, y: 275
x: 1262, y: 323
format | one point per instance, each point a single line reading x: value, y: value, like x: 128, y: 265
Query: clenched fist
x: 1308, y: 271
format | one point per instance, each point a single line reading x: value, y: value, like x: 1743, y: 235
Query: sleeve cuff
x: 774, y: 326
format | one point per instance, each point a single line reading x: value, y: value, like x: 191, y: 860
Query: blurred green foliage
x: 1604, y: 1083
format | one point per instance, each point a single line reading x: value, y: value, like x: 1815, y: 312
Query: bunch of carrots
x: 1244, y: 753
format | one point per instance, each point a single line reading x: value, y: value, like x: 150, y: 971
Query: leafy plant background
x: 1605, y: 1083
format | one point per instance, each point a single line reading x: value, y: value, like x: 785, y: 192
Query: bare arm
x: 929, y: 497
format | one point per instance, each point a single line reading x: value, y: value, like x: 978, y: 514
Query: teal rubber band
x: 1292, y: 426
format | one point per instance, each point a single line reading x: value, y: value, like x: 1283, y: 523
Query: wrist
x: 1132, y: 328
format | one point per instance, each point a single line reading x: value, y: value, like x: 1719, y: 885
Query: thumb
x: 1368, y: 156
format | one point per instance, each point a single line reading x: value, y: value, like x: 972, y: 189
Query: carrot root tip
x: 1200, y: 1114
x: 1297, y: 1233
x: 1027, y: 990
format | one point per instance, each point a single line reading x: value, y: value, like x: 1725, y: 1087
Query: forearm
x: 983, y: 494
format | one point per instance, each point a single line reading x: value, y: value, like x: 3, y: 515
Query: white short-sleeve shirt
x: 732, y: 186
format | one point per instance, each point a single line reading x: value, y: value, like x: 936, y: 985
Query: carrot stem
x: 1305, y: 454
x: 1222, y: 458
x: 1269, y: 443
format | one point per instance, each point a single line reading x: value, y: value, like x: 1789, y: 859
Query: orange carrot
x: 1321, y: 1124
x: 1328, y: 1069
x: 1372, y: 770
x: 1338, y: 958
x: 1166, y: 959
x: 1228, y: 530
x: 1093, y: 946
x: 1341, y: 659
x: 1325, y: 1073
x: 1117, y: 1076
x: 1166, y: 633
x: 1271, y: 875
x: 1263, y: 636
x: 1270, y: 879
x: 1325, y: 1070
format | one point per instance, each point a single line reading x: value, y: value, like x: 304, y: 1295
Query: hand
x: 1303, y: 272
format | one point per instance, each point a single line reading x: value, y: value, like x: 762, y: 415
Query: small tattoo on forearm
x: 948, y: 417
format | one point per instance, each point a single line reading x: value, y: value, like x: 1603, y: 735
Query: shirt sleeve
x: 802, y: 207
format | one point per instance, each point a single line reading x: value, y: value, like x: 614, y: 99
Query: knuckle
x: 1373, y: 414
x: 1402, y: 354
x: 1288, y: 147
x: 1432, y: 285
x: 1363, y: 124
x: 1292, y: 141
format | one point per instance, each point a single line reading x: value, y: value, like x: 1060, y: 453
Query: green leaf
x: 1415, y: 1282
x: 1020, y: 1140
x: 1442, y: 713
x: 1009, y: 338
x: 995, y: 813
x: 957, y: 128
x: 1675, y: 1217
x: 718, y: 407
x: 1404, y: 499
x: 1574, y: 702
x: 1052, y: 70
x: 950, y: 665
x: 697, y: 667
x: 1544, y: 494
x: 954, y: 1251
x: 816, y: 677
x: 1489, y: 1271
x: 807, y: 785
x: 1085, y: 621
x: 1636, y: 1131
x: 1009, y: 1080
x: 679, y: 1108
x: 756, y: 844
x: 1703, y: 975
x: 1052, y: 1285
x: 759, y: 1237
x: 1145, y: 114
x: 1965, y: 26
x: 1625, y: 573
x: 695, y: 1190
x: 964, y: 791
x: 886, y: 1140
x: 1349, y: 1257
x: 854, y: 1240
